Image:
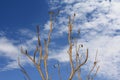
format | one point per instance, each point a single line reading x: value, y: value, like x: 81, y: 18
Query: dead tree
x: 73, y: 42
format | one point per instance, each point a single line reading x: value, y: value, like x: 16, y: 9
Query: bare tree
x: 73, y: 42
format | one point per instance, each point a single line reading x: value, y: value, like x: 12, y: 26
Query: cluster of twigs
x: 44, y: 57
x: 77, y: 68
x: 39, y: 49
x: 89, y: 77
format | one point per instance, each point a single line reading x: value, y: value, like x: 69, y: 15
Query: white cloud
x: 7, y: 48
x: 26, y: 32
x: 100, y: 30
x: 14, y: 64
x: 108, y: 55
x: 11, y: 51
x: 61, y: 55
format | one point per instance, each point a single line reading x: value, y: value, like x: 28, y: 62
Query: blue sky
x: 98, y: 21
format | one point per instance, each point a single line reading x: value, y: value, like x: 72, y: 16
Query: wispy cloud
x: 99, y: 24
x: 26, y: 32
x: 8, y: 50
x: 2, y: 33
x: 11, y: 51
x: 6, y: 46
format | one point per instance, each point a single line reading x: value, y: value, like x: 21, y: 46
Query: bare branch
x: 57, y: 65
x: 45, y: 59
x: 35, y: 53
x: 38, y: 35
x: 23, y: 70
x: 92, y: 69
x: 96, y: 72
x: 83, y: 62
x: 39, y: 45
x: 36, y: 65
x: 77, y: 58
x: 59, y: 71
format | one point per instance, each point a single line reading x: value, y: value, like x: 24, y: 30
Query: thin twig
x: 92, y: 69
x: 36, y: 65
x: 96, y: 73
x: 23, y: 70
x: 77, y: 58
